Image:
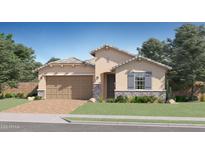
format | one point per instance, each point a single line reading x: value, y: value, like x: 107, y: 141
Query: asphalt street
x: 92, y: 127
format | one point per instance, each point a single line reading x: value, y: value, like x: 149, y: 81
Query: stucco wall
x: 106, y: 59
x: 58, y: 70
x: 158, y: 74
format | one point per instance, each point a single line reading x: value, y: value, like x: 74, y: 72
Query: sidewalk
x: 135, y: 117
x: 29, y: 117
x: 58, y: 118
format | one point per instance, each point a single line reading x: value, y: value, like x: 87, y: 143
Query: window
x: 139, y: 80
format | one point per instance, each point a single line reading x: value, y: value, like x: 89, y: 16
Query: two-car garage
x: 69, y: 87
x: 66, y: 79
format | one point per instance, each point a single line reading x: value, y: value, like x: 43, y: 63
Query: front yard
x: 194, y: 109
x: 10, y: 103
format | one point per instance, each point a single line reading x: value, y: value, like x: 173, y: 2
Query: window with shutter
x: 148, y: 80
x: 140, y: 80
x: 130, y: 79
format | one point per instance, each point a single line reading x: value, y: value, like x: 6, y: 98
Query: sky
x: 71, y: 39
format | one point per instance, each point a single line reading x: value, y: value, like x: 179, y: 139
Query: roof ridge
x: 76, y: 58
x: 107, y: 45
x: 66, y: 59
x: 63, y: 61
x: 139, y: 56
x: 154, y: 61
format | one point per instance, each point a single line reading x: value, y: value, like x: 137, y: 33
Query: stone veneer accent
x: 161, y: 94
x: 96, y: 90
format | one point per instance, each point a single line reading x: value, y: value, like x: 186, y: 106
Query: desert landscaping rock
x: 171, y: 101
x: 31, y: 98
x: 92, y: 100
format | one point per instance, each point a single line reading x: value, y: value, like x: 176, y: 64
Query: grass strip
x: 10, y: 103
x: 134, y: 121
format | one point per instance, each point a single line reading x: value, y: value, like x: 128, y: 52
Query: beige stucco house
x: 111, y: 72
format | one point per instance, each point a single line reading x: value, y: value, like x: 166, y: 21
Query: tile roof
x: 109, y: 46
x: 71, y: 60
x: 144, y: 58
x: 91, y: 61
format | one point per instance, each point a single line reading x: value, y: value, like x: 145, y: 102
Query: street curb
x: 136, y: 124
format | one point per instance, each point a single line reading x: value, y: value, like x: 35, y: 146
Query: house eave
x: 142, y: 58
x: 63, y: 64
x: 109, y: 46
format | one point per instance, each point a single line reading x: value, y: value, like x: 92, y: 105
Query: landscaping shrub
x: 7, y: 95
x: 110, y: 100
x: 37, y: 98
x: 135, y: 99
x: 185, y: 98
x: 1, y: 96
x: 20, y: 95
x: 121, y: 99
x: 130, y: 98
x: 100, y: 99
x: 10, y: 95
x: 140, y: 99
x: 153, y: 99
x: 202, y: 98
x: 144, y: 99
x: 158, y: 100
x: 182, y: 98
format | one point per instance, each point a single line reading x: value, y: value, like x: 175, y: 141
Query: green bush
x: 100, y: 99
x: 10, y: 95
x: 20, y: 95
x: 1, y: 96
x: 7, y: 95
x: 13, y: 95
x: 37, y: 98
x: 110, y: 100
x: 121, y: 99
x: 135, y: 99
x: 130, y: 98
x: 144, y: 99
x: 181, y: 98
x: 141, y: 99
x: 158, y: 100
x: 202, y: 98
x: 153, y: 99
x: 185, y: 98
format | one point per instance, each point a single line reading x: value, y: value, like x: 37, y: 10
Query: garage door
x: 69, y: 87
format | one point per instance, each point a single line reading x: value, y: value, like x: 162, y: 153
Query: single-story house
x: 110, y: 73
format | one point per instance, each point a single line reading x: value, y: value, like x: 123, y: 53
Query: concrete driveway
x: 48, y: 106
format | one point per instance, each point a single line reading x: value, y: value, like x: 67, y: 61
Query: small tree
x: 153, y: 49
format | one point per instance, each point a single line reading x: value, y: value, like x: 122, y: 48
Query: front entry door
x: 110, y: 85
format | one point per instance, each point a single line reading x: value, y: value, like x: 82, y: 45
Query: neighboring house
x: 112, y: 72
